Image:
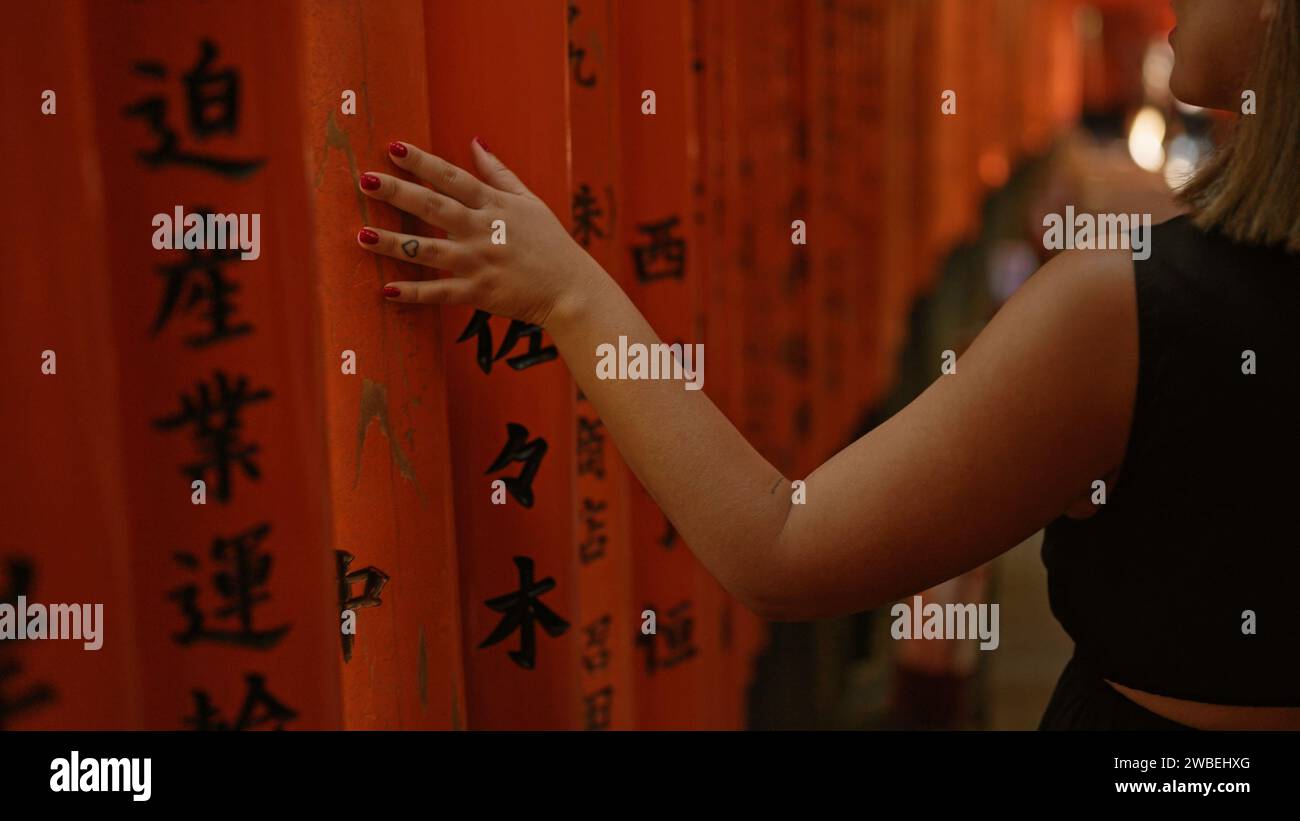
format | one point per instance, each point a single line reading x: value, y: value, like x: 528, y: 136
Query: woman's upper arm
x: 1038, y: 409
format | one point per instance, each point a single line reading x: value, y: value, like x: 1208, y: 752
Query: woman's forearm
x: 727, y: 501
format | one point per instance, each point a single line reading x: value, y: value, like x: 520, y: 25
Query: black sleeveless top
x: 1200, y: 525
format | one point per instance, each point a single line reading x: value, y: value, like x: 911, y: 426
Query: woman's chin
x: 1191, y: 94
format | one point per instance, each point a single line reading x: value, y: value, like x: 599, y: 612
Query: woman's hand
x: 505, y: 251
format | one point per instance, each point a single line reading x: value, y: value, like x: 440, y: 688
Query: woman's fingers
x: 444, y: 177
x: 495, y: 171
x: 432, y: 292
x: 436, y: 209
x: 429, y: 251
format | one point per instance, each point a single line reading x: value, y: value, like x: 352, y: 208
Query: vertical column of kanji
x: 608, y: 613
x: 789, y: 236
x: 679, y: 663
x: 759, y: 414
x: 399, y: 645
x: 778, y: 275
x: 66, y: 536
x: 716, y: 110
x: 879, y: 317
x: 500, y: 71
x: 840, y: 268
x: 202, y: 149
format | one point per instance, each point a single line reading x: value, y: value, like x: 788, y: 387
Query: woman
x: 1179, y: 591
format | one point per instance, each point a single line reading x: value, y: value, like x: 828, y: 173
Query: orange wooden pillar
x: 500, y: 71
x: 66, y: 531
x: 389, y: 452
x: 1065, y: 55
x: 928, y: 127
x: 771, y: 173
x: 989, y: 80
x: 718, y: 113
x: 608, y: 613
x: 899, y: 184
x: 1010, y: 15
x: 952, y: 183
x: 680, y: 665
x: 220, y: 370
x: 789, y: 186
x: 882, y: 309
x: 839, y: 274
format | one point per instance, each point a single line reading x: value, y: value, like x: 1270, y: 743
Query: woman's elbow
x: 791, y: 585
x: 777, y: 590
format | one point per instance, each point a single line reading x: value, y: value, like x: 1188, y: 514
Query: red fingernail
x: 391, y: 291
x: 482, y: 144
x: 397, y: 149
x: 367, y: 236
x: 370, y: 182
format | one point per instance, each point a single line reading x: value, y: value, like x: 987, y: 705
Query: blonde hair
x: 1250, y: 189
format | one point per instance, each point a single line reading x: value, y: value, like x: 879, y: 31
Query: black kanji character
x: 595, y: 655
x: 212, y: 104
x: 374, y: 580
x: 519, y: 449
x: 239, y: 584
x: 29, y: 699
x: 214, y: 412
x: 207, y: 717
x: 200, y: 278
x: 599, y: 706
x: 664, y: 256
x: 479, y: 327
x: 593, y: 546
x: 676, y: 633
x: 591, y: 448
x: 20, y: 574
x: 521, y: 608
x: 585, y: 213
x: 576, y: 55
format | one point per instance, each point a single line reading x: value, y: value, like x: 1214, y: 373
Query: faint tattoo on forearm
x: 411, y: 247
x: 776, y: 484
